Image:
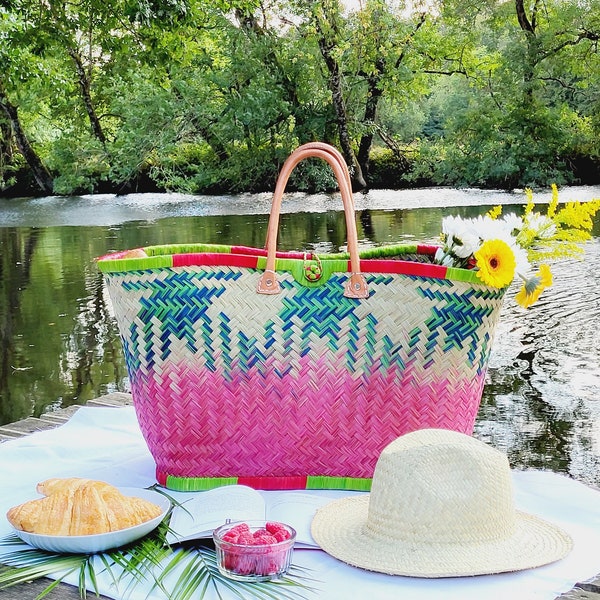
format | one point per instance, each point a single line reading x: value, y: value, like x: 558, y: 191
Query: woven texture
x: 441, y: 505
x: 234, y: 386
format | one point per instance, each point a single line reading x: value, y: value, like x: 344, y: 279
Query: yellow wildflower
x: 553, y: 203
x: 496, y: 263
x: 578, y: 215
x: 495, y: 212
x: 530, y: 204
x: 534, y: 286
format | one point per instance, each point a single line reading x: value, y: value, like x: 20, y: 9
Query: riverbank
x: 589, y: 590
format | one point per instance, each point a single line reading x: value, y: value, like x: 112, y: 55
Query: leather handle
x: 356, y: 287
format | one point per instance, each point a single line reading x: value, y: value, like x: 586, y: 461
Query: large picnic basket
x: 288, y: 370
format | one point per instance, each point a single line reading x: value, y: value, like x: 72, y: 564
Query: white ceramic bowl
x: 91, y: 544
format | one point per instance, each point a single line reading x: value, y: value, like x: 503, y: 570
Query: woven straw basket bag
x: 287, y: 370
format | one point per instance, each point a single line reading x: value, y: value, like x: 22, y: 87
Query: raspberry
x: 281, y: 536
x: 229, y: 561
x: 264, y: 539
x: 265, y: 558
x: 245, y: 565
x: 245, y: 538
x: 239, y: 528
x: 278, y: 530
x: 260, y: 532
x: 265, y: 565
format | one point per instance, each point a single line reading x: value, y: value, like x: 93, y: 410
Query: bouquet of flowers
x: 504, y: 247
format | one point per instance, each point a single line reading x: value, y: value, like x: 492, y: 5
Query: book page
x: 296, y: 509
x: 197, y: 517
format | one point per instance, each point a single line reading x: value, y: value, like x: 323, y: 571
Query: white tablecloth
x: 105, y: 443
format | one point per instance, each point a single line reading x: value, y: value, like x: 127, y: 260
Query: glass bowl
x: 254, y: 550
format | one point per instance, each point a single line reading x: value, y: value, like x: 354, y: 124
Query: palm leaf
x: 27, y: 564
x: 181, y: 573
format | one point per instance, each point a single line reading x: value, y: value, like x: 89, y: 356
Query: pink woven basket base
x: 324, y: 422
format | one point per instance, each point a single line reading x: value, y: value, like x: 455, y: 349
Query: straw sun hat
x: 441, y: 505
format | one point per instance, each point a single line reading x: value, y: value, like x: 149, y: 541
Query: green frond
x: 49, y: 589
x: 181, y: 573
x: 104, y: 559
x: 26, y: 563
x: 35, y: 567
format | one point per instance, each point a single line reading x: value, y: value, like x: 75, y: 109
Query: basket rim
x: 385, y: 259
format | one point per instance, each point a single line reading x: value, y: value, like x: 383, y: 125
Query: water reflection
x: 59, y: 343
x: 540, y: 404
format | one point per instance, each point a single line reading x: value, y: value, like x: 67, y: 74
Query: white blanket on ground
x: 106, y: 443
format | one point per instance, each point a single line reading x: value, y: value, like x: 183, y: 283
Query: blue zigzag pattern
x: 180, y: 304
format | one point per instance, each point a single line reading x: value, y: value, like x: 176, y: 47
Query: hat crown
x: 441, y: 505
x: 435, y: 485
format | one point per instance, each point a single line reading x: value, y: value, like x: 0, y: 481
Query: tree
x: 511, y: 122
x: 379, y: 52
x: 326, y: 19
x: 39, y: 171
x: 212, y: 95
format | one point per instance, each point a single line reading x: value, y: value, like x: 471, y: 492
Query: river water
x: 59, y: 344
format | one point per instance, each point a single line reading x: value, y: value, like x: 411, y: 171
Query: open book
x: 197, y: 517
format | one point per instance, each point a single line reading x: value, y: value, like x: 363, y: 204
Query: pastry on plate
x: 77, y: 506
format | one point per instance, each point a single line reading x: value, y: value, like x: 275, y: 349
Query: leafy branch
x: 181, y: 573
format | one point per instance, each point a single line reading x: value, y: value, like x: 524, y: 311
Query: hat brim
x: 340, y: 529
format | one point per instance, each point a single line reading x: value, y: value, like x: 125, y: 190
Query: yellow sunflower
x: 496, y: 263
x: 534, y: 286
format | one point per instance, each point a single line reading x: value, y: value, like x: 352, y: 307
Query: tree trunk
x: 528, y: 26
x: 85, y: 87
x: 40, y: 173
x: 374, y: 94
x: 524, y: 22
x: 339, y: 105
x: 6, y: 147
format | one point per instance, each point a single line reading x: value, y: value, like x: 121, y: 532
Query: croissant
x: 77, y: 506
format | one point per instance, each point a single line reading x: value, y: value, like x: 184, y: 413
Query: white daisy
x: 513, y: 223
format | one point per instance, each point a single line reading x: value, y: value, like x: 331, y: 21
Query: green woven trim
x: 382, y: 252
x: 392, y: 251
x: 323, y: 482
x: 296, y: 268
x: 161, y: 256
x: 187, y: 249
x: 313, y: 482
x: 117, y: 265
x: 466, y: 275
x: 198, y: 484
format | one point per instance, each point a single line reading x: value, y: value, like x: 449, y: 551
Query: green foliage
x: 210, y: 96
x: 195, y: 169
x: 80, y: 163
x: 387, y: 169
x: 181, y: 573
